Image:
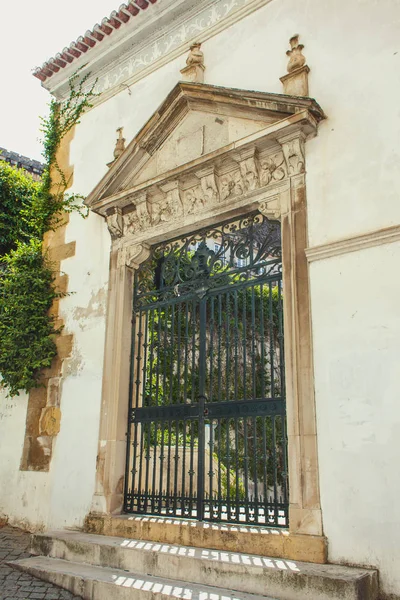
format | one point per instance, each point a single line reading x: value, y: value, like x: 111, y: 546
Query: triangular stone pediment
x: 195, y: 123
x: 198, y: 134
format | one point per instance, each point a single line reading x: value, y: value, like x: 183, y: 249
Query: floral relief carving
x: 132, y: 224
x: 249, y: 173
x: 272, y: 169
x: 193, y: 200
x: 232, y: 184
x: 143, y: 215
x: 170, y: 206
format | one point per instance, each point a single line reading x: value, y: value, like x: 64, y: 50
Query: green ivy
x: 17, y: 192
x: 27, y: 282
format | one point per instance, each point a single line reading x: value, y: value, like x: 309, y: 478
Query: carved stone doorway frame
x: 271, y: 177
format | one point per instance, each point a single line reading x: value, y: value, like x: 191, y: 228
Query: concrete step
x: 253, y: 574
x: 102, y: 583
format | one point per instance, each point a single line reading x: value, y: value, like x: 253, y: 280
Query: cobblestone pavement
x: 16, y: 585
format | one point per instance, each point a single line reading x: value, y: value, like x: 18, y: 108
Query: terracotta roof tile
x: 84, y: 43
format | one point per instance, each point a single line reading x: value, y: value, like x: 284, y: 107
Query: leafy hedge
x: 27, y: 290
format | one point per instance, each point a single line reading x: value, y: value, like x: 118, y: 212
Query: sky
x: 32, y: 32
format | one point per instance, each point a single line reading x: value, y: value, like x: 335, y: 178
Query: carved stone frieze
x: 193, y: 200
x: 249, y: 170
x: 173, y: 202
x: 293, y: 151
x: 245, y: 173
x: 115, y: 223
x: 231, y: 184
x: 208, y: 184
x: 142, y: 211
x: 272, y: 168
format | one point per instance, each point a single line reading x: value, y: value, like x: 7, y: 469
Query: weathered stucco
x: 352, y: 188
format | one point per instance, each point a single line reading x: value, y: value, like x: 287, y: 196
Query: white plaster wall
x: 74, y: 459
x: 24, y: 495
x: 357, y: 382
x: 353, y: 51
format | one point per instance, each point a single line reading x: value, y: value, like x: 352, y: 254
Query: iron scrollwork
x: 236, y: 250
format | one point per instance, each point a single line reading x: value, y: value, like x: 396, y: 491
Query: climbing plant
x: 27, y: 281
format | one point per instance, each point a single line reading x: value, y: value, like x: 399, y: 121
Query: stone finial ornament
x: 296, y: 60
x: 120, y: 144
x: 196, y: 56
x: 295, y: 83
x: 194, y: 70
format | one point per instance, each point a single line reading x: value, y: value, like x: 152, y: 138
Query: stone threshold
x: 264, y: 541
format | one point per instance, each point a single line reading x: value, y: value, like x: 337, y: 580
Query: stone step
x: 259, y: 575
x: 103, y: 583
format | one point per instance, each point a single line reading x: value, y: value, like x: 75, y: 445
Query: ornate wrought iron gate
x: 207, y: 430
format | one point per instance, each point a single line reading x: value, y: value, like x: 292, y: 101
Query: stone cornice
x: 353, y: 244
x: 289, y: 115
x: 148, y: 43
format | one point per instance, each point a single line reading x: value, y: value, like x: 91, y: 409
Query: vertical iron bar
x: 271, y: 341
x: 237, y: 469
x: 162, y: 428
x: 171, y: 351
x: 168, y: 493
x: 140, y: 490
x: 212, y: 319
x: 275, y: 470
x: 191, y: 472
x: 151, y: 374
x: 265, y: 467
x: 219, y: 471
x: 246, y: 470
x: 281, y: 340
x: 244, y: 344
x: 178, y: 362
x: 262, y: 341
x: 176, y: 466
x: 158, y: 346
x: 219, y: 398
x: 253, y: 341
x: 183, y: 490
x: 144, y: 364
x: 211, y: 472
x: 227, y: 348
x: 137, y: 385
x: 153, y: 483
x: 202, y: 400
x: 236, y: 316
x: 135, y: 445
x: 165, y: 354
x: 186, y: 366
x: 228, y: 470
x: 256, y: 460
x: 146, y: 487
x: 193, y: 350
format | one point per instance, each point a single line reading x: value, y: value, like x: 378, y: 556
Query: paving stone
x: 15, y: 585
